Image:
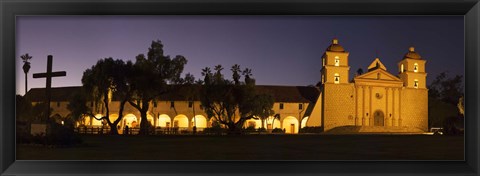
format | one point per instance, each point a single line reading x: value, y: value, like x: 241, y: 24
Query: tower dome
x: 335, y: 47
x: 411, y: 54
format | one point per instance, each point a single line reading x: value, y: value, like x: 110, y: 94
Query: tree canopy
x: 231, y: 103
x: 104, y: 79
x: 444, y: 95
x: 150, y: 78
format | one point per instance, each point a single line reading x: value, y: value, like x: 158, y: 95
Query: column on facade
x: 363, y: 106
x: 400, y: 107
x: 387, y: 106
x: 394, y: 103
x: 370, y: 118
x: 357, y: 105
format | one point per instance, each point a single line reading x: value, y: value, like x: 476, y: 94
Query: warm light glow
x: 272, y: 123
x: 415, y: 83
x: 149, y: 119
x: 113, y: 117
x: 401, y: 68
x: 337, y: 78
x: 256, y: 123
x: 163, y: 119
x: 304, y: 121
x: 290, y: 124
x: 180, y: 121
x: 337, y: 61
x: 200, y: 121
x: 96, y: 122
x: 415, y: 67
x: 130, y: 120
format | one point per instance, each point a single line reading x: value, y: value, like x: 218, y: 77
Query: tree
x: 26, y: 67
x: 446, y: 89
x: 262, y: 107
x: 360, y: 71
x: 231, y: 103
x: 444, y: 95
x: 78, y: 106
x: 105, y: 79
x: 150, y: 78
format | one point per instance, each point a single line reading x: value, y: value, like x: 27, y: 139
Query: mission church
x: 375, y: 101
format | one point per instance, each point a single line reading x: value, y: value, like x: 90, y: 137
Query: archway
x: 378, y: 118
x: 85, y: 120
x: 164, y: 121
x: 199, y: 121
x: 304, y: 122
x: 290, y: 124
x: 272, y: 123
x: 113, y: 117
x: 131, y: 121
x: 255, y: 123
x: 96, y: 122
x: 149, y: 119
x: 180, y: 121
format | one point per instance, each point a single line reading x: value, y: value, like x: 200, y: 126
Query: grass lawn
x: 255, y: 147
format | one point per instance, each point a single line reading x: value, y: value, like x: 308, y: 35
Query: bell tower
x: 335, y: 68
x: 337, y: 93
x: 412, y: 70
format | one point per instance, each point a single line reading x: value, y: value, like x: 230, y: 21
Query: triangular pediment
x: 376, y: 64
x: 377, y: 74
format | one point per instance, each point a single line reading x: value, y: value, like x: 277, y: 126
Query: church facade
x: 375, y: 99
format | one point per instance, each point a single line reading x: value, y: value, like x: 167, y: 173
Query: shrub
x: 217, y: 130
x: 262, y: 130
x: 451, y: 126
x: 278, y: 130
x: 250, y: 129
x: 60, y: 135
x: 23, y: 133
x: 311, y: 130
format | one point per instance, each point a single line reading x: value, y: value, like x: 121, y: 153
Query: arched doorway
x: 113, y: 117
x: 180, y: 121
x: 200, y: 121
x: 130, y: 120
x: 149, y: 119
x: 378, y: 118
x: 290, y: 124
x: 272, y: 123
x: 255, y: 123
x: 164, y: 121
x: 96, y: 122
x: 304, y: 122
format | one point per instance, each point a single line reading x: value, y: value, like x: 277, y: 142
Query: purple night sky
x: 281, y: 50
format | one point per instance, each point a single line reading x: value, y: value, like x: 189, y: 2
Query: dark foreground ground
x: 255, y: 147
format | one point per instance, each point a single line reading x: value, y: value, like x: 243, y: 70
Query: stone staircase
x: 373, y: 130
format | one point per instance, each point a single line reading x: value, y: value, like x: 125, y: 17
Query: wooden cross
x: 49, y: 74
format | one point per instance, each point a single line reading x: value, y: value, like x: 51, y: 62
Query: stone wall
x: 338, y: 105
x: 414, y: 108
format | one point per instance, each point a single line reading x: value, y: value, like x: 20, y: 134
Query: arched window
x: 401, y: 68
x: 415, y: 67
x: 337, y: 61
x: 415, y: 83
x: 323, y: 61
x: 323, y: 78
x: 336, y: 79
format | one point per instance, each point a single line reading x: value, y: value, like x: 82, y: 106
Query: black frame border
x: 470, y: 9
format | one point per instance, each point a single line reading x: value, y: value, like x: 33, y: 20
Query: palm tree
x: 26, y: 67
